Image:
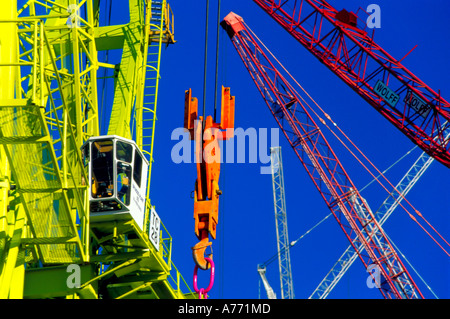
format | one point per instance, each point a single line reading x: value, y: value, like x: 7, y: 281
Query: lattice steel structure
x: 281, y: 224
x: 382, y: 214
x: 48, y: 109
x: 322, y: 165
x: 343, y: 43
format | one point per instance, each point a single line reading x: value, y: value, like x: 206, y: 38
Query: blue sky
x: 246, y: 231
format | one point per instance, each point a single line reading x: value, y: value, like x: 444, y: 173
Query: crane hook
x: 198, y: 252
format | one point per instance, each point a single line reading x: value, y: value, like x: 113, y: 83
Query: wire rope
x: 359, y: 151
x: 387, y: 169
x: 294, y: 242
x: 205, y: 61
x: 412, y: 267
x: 217, y: 60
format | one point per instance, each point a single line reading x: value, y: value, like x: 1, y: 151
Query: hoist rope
x: 205, y: 60
x: 353, y: 154
x: 217, y: 61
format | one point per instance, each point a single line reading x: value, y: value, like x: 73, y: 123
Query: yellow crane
x: 56, y: 220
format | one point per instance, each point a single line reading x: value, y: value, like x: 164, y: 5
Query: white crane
x: 283, y: 244
x: 262, y: 272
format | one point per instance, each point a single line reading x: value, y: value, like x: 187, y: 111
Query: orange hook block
x: 207, y: 154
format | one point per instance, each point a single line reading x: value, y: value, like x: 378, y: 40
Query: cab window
x: 124, y: 151
x: 137, y: 172
x: 102, y: 169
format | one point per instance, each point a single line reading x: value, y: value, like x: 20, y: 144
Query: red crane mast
x: 359, y: 226
x: 345, y: 47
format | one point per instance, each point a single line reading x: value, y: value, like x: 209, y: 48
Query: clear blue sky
x: 246, y: 232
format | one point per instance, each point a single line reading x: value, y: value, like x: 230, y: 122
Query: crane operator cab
x: 117, y: 172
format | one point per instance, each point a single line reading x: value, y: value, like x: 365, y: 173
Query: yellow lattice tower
x: 48, y: 109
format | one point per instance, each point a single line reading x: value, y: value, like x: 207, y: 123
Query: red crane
x: 359, y: 225
x: 346, y: 48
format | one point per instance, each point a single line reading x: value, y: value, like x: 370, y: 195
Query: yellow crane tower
x: 75, y: 206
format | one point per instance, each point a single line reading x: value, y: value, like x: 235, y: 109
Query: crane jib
x: 411, y: 99
x: 322, y: 165
x: 423, y: 110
